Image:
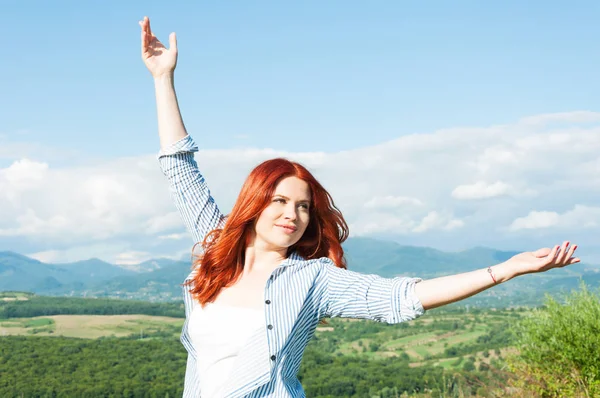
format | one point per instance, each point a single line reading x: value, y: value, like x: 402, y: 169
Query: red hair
x: 224, y: 249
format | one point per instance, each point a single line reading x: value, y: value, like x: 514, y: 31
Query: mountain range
x: 160, y: 279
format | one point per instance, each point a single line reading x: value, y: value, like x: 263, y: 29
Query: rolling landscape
x: 97, y: 329
x: 467, y: 343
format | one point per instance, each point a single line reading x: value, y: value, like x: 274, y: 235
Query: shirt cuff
x: 186, y: 144
x: 405, y: 303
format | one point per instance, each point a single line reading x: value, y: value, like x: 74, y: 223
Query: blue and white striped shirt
x: 297, y: 296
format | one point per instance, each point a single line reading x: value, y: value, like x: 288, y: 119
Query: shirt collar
x: 293, y: 259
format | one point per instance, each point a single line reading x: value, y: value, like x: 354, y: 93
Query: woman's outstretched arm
x: 161, y: 63
x: 448, y: 289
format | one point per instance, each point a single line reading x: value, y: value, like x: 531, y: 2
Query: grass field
x: 91, y: 326
x: 422, y: 345
x: 14, y: 296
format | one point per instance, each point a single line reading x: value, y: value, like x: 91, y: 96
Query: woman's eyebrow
x: 286, y: 198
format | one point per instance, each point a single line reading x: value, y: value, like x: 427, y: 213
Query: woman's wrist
x: 502, y: 272
x: 166, y: 77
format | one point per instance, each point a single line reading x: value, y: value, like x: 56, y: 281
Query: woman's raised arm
x: 188, y: 187
x: 161, y: 63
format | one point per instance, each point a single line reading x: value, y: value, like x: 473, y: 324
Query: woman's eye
x: 284, y: 201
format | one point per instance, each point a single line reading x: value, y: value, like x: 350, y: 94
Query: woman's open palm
x: 544, y: 259
x: 158, y: 59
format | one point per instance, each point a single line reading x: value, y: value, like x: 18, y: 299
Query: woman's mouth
x: 289, y: 229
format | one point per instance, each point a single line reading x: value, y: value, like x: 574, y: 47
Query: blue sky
x: 309, y: 75
x: 294, y: 77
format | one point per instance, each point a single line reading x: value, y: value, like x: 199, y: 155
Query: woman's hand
x: 158, y: 59
x: 542, y: 260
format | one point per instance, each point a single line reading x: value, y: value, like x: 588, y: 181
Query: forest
x: 449, y: 352
x: 32, y: 305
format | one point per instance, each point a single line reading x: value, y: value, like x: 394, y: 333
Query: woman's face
x: 285, y: 219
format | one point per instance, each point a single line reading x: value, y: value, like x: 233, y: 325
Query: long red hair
x: 222, y: 261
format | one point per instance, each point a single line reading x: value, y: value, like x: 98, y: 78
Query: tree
x: 469, y: 366
x: 560, y: 347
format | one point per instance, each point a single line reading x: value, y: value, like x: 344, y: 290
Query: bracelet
x: 492, y: 275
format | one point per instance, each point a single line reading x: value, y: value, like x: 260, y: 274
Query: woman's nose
x: 290, y: 212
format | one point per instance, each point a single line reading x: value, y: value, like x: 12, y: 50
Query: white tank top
x: 218, y: 333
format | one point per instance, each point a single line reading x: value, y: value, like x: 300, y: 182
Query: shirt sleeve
x: 350, y: 294
x: 189, y: 190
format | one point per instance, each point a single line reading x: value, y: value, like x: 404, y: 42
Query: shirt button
x: 267, y: 301
x: 272, y: 357
x: 270, y: 327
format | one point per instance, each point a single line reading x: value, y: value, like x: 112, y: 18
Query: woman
x: 274, y: 268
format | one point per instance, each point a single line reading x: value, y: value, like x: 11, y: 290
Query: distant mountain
x: 390, y: 259
x: 95, y: 269
x: 160, y: 279
x: 572, y: 282
x: 150, y: 265
x: 162, y: 284
x: 18, y: 272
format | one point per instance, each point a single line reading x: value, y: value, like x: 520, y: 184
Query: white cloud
x: 533, y: 169
x: 376, y: 225
x: 163, y: 222
x: 390, y: 202
x: 132, y: 258
x: 25, y: 172
x: 535, y: 220
x: 21, y: 176
x: 435, y: 220
x: 481, y: 190
x: 403, y: 225
x: 104, y: 250
x: 119, y: 198
x: 173, y: 236
x: 579, y: 217
x: 453, y: 224
x: 48, y: 256
x: 561, y: 117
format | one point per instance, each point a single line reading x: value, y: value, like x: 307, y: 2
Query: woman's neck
x: 259, y: 257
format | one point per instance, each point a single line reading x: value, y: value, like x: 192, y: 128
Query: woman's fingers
x: 552, y: 256
x: 569, y: 255
x: 566, y: 252
x: 144, y: 34
x: 144, y: 42
x: 559, y: 254
x: 564, y: 255
x: 147, y: 24
x: 173, y: 42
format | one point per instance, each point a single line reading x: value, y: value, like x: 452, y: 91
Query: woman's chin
x: 284, y: 244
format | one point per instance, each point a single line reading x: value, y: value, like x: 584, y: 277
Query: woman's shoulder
x: 318, y: 267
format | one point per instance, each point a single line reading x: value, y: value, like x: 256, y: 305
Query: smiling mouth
x: 291, y: 229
